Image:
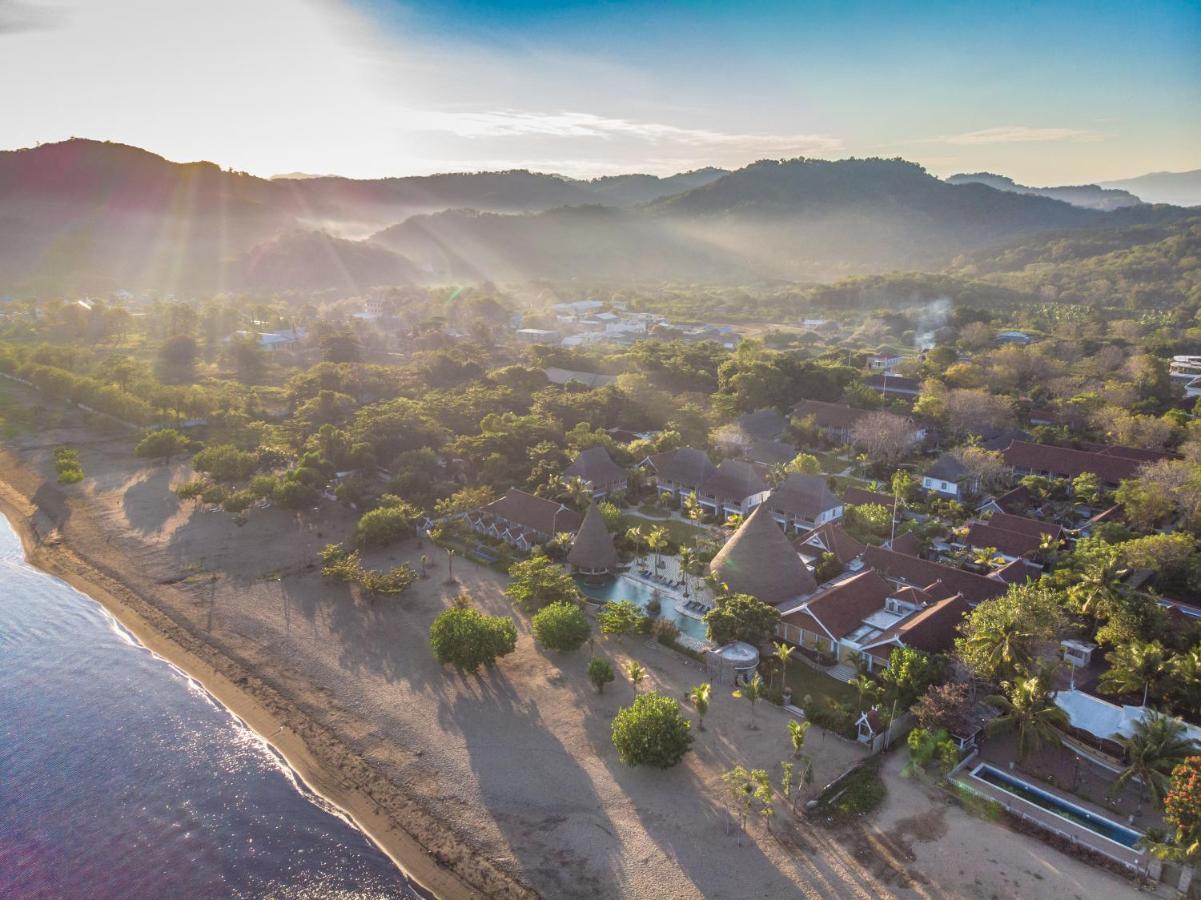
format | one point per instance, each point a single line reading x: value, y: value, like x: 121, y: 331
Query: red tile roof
x: 835, y: 539
x: 931, y: 576
x: 1024, y: 525
x: 841, y: 608
x: 1011, y: 543
x: 543, y: 516
x: 1065, y: 462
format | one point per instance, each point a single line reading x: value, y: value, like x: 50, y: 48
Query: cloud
x: 17, y: 16
x: 516, y: 123
x: 1021, y: 134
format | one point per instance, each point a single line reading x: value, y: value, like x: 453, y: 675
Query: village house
x: 1016, y: 501
x: 770, y: 453
x: 854, y: 496
x: 803, y: 502
x: 886, y: 359
x: 523, y: 520
x: 1063, y: 462
x: 759, y: 560
x: 950, y: 478
x: 595, y: 467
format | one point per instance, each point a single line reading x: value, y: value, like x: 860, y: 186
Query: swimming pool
x: 1077, y: 815
x: 623, y: 588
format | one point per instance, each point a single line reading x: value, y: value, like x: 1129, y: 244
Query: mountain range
x: 1178, y: 188
x: 87, y: 216
x: 1090, y: 196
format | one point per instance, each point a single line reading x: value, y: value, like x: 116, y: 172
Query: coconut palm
x: 753, y: 691
x: 1133, y: 666
x: 693, y: 508
x: 656, y: 542
x: 1005, y: 645
x: 1185, y: 685
x: 783, y: 654
x: 866, y: 688
x: 687, y: 562
x: 636, y: 672
x: 1048, y: 547
x: 1028, y: 710
x: 986, y: 557
x: 699, y: 696
x: 1158, y: 745
x: 575, y: 491
x: 734, y: 521
x: 635, y: 534
x: 796, y: 734
x: 1098, y: 586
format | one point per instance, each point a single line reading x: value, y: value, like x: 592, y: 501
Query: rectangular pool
x: 623, y: 588
x: 1077, y: 815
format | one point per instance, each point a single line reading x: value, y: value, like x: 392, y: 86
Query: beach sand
x: 503, y: 784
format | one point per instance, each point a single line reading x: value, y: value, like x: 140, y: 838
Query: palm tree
x: 783, y: 654
x: 734, y: 521
x: 796, y: 734
x: 986, y: 557
x: 1005, y: 645
x: 656, y: 542
x: 1098, y: 586
x: 1048, y: 547
x: 1186, y: 678
x: 753, y: 690
x: 1133, y: 666
x: 687, y: 561
x: 1157, y: 746
x: 865, y: 687
x: 635, y: 534
x: 575, y: 491
x: 699, y: 696
x: 693, y: 508
x: 636, y: 672
x: 1030, y: 711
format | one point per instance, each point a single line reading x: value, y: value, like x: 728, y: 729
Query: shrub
x: 620, y: 617
x: 600, y: 673
x: 292, y: 493
x: 652, y: 732
x: 386, y: 525
x: 467, y: 639
x: 225, y: 462
x: 161, y: 444
x: 857, y: 794
x: 190, y: 490
x: 537, y: 582
x: 741, y: 617
x: 665, y: 632
x: 561, y: 626
x: 238, y: 501
x: 67, y: 465
x: 394, y: 581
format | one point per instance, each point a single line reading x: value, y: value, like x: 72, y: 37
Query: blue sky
x: 1046, y: 93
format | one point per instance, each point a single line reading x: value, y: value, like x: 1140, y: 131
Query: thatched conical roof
x: 593, y: 550
x: 759, y: 560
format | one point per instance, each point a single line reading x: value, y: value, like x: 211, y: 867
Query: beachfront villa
x: 760, y: 560
x: 592, y: 553
x: 523, y: 520
x: 595, y: 467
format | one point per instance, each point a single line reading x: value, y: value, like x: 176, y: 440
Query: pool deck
x: 1046, y: 819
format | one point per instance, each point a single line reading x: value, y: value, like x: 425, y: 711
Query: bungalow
x: 935, y: 578
x: 834, y: 420
x: 523, y: 520
x: 897, y: 386
x: 1063, y: 462
x: 1016, y: 502
x: 949, y: 477
x: 595, y: 467
x: 680, y: 472
x: 1025, y: 525
x: 885, y: 360
x: 932, y: 629
x: 763, y: 424
x: 804, y: 502
x: 1009, y: 545
x: 759, y: 560
x: 829, y: 538
x: 735, y: 488
x: 770, y: 453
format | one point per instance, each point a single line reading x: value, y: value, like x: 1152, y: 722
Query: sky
x: 1047, y: 93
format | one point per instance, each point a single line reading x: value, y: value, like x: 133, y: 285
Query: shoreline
x: 265, y: 711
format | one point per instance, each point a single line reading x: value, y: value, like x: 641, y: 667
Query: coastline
x: 326, y: 766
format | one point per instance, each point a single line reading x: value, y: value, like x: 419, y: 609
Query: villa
x: 595, y: 467
x: 759, y: 560
x: 763, y: 424
x: 1009, y: 545
x: 949, y: 477
x: 804, y: 502
x: 834, y: 420
x: 735, y: 488
x: 897, y: 386
x: 936, y: 579
x: 680, y: 472
x: 829, y: 538
x: 523, y: 520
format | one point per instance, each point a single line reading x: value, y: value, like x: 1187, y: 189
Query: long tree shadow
x: 149, y: 504
x: 534, y: 789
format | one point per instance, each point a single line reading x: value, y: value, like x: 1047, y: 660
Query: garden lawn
x: 804, y: 680
x: 679, y: 533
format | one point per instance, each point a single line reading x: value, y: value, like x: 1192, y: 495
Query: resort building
x: 950, y: 478
x: 834, y: 420
x: 1063, y: 462
x: 1016, y: 502
x: 759, y: 560
x: 735, y: 488
x: 770, y: 453
x: 1009, y: 545
x: 763, y: 424
x: 804, y: 502
x: 592, y: 552
x: 680, y: 472
x: 829, y: 538
x: 523, y: 520
x: 936, y: 579
x: 595, y: 467
x: 854, y: 496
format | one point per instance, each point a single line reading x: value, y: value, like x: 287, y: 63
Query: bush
x: 225, y: 462
x: 67, y: 465
x: 856, y: 795
x: 831, y: 715
x: 386, y: 525
x: 467, y: 639
x: 291, y: 493
x: 652, y: 732
x: 620, y: 617
x: 665, y: 632
x: 537, y: 582
x: 161, y: 444
x: 394, y: 581
x: 741, y: 617
x: 600, y: 673
x: 561, y: 626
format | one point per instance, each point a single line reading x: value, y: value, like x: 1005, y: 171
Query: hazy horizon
x: 374, y: 88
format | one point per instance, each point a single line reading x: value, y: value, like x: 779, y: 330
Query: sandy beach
x: 503, y: 784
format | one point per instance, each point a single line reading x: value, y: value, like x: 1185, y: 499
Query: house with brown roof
x: 1016, y: 502
x: 595, y: 467
x: 932, y: 629
x: 759, y: 560
x: 854, y: 496
x: 834, y: 420
x: 829, y: 538
x: 1064, y: 462
x: 735, y: 488
x: 1009, y: 545
x: 936, y: 579
x: 804, y: 502
x: 1026, y: 525
x: 770, y: 453
x: 592, y: 552
x: 886, y: 359
x: 680, y: 472
x: 523, y: 520
x: 821, y: 622
x: 950, y: 478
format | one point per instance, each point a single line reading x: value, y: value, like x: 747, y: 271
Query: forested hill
x: 89, y: 216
